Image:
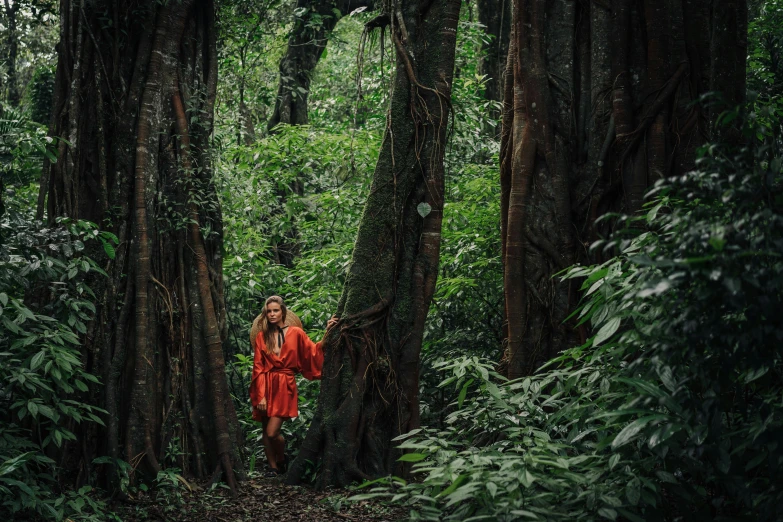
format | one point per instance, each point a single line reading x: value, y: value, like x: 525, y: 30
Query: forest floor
x: 259, y: 500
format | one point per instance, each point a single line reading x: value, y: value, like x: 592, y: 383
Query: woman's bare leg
x: 269, y: 450
x: 274, y: 443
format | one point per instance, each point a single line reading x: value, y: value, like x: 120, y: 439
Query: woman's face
x: 273, y: 313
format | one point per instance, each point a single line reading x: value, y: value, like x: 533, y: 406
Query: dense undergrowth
x: 671, y: 410
x: 45, y: 306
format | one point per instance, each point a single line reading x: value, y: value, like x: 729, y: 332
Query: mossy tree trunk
x: 369, y: 391
x: 134, y: 96
x: 598, y: 105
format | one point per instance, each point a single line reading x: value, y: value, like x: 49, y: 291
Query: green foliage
x: 765, y: 71
x: 36, y: 36
x: 251, y: 42
x: 466, y: 314
x: 671, y: 409
x: 40, y: 93
x: 336, y: 105
x: 333, y: 167
x: 23, y: 145
x: 765, y: 52
x: 44, y: 306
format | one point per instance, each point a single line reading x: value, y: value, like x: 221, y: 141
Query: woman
x: 280, y: 353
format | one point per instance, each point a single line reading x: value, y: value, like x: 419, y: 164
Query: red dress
x: 273, y: 375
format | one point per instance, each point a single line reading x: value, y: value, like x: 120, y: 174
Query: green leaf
x: 454, y: 485
x: 12, y: 464
x: 10, y: 325
x: 633, y: 491
x: 629, y: 432
x: 492, y: 488
x: 607, y: 330
x: 463, y: 392
x: 48, y: 412
x: 613, y: 460
x: 527, y: 479
x: 665, y: 476
x: 405, y: 435
x: 21, y: 485
x: 37, y: 359
x: 424, y: 209
x: 412, y: 457
x: 662, y: 433
x: 525, y: 513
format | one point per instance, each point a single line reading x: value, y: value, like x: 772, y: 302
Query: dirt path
x: 259, y: 500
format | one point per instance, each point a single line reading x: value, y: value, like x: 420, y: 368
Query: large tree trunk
x: 315, y: 20
x: 369, y: 392
x: 135, y: 162
x: 598, y: 107
x: 12, y: 42
x: 495, y: 15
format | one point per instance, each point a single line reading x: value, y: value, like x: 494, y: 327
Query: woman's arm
x: 311, y: 355
x: 258, y: 382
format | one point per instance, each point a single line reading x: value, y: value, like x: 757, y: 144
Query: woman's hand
x: 261, y: 406
x: 331, y: 322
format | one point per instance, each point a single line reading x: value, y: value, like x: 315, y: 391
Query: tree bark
x: 600, y: 107
x: 135, y: 103
x: 369, y: 391
x: 12, y: 41
x: 495, y: 15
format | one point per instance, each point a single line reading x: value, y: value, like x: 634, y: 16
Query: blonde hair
x: 267, y: 329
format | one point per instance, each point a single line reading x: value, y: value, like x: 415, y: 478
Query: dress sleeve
x: 311, y: 357
x: 258, y: 383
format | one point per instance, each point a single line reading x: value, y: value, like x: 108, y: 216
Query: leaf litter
x: 259, y: 500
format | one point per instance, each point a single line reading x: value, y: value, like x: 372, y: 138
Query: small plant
x: 169, y: 489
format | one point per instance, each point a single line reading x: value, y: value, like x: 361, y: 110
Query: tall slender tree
x: 134, y: 96
x: 11, y: 11
x: 495, y: 15
x: 370, y: 386
x: 313, y: 23
x: 598, y: 104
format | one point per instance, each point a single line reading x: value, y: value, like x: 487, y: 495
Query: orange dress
x: 273, y: 375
